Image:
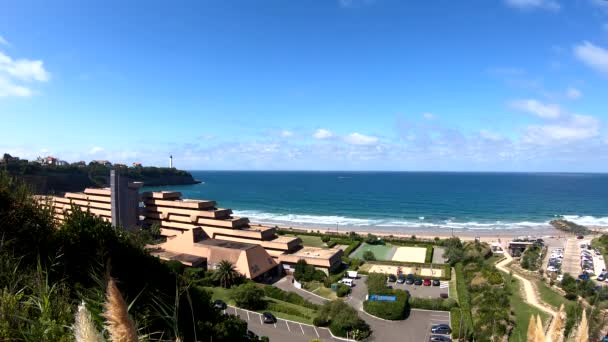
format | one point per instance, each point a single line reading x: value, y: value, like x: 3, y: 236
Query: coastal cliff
x: 69, y: 178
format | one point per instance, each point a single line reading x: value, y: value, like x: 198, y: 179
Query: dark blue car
x: 583, y: 276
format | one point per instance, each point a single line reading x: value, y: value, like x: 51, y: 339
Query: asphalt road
x: 282, y: 330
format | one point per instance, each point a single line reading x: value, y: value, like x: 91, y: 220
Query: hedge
x: 388, y: 310
x: 376, y: 284
x: 290, y: 297
x: 353, y: 245
x: 464, y: 300
x: 439, y: 304
x: 280, y: 307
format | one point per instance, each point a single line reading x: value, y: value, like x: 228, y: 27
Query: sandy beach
x: 466, y: 235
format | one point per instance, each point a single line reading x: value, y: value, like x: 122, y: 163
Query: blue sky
x: 494, y: 85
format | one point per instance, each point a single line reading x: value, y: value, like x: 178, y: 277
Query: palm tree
x: 226, y: 273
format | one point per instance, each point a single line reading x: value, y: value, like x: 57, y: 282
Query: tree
x: 325, y: 238
x: 226, y: 274
x: 369, y: 256
x: 569, y: 285
x: 249, y: 296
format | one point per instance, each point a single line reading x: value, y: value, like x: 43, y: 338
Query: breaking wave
x: 419, y: 223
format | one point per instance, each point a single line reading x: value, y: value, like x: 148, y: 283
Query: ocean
x: 406, y: 202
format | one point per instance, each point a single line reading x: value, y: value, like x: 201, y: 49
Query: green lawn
x: 319, y: 289
x: 382, y: 252
x: 279, y: 308
x: 522, y: 313
x: 553, y: 298
x: 312, y: 241
x: 221, y: 293
x: 453, y: 290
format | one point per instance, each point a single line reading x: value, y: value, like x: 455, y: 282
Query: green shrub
x: 249, y: 296
x: 464, y: 299
x: 341, y: 319
x: 369, y: 256
x: 325, y: 238
x: 342, y: 290
x: 331, y: 244
x: 439, y: 304
x: 388, y: 310
x: 305, y: 272
x: 351, y: 247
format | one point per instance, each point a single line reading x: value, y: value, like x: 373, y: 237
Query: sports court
x: 410, y: 254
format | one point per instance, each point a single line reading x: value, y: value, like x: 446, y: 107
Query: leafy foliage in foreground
x: 47, y: 270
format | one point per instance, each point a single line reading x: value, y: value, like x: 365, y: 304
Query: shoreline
x: 465, y: 235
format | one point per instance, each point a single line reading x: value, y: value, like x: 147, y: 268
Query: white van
x: 346, y: 281
x: 352, y: 274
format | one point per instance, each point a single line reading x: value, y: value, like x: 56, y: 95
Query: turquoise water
x: 406, y: 201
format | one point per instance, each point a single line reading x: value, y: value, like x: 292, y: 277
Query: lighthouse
x: 171, y: 161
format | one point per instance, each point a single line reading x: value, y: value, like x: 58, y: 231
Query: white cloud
x: 428, y: 116
x: 534, y: 4
x: 360, y: 139
x: 14, y: 73
x: 3, y: 41
x: 577, y: 128
x: 605, y: 27
x: 96, y: 150
x: 489, y: 135
x: 322, y: 134
x: 23, y: 69
x: 545, y: 111
x: 8, y: 88
x: 573, y: 93
x: 594, y: 56
x: 286, y: 134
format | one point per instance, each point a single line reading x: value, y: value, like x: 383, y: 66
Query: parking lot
x: 421, y: 291
x: 282, y: 330
x: 417, y: 326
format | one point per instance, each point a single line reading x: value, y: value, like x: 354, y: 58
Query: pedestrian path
x: 530, y: 295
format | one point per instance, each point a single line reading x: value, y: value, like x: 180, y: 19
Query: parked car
x: 443, y: 295
x: 441, y: 338
x: 580, y: 237
x: 426, y: 282
x: 551, y: 269
x: 220, y: 304
x: 409, y: 279
x: 583, y: 276
x: 392, y: 278
x: 418, y: 281
x: 401, y: 279
x: 441, y: 329
x: 436, y: 282
x: 560, y: 278
x: 269, y: 318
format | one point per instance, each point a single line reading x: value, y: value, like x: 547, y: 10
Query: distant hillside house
x: 101, y: 162
x: 118, y: 165
x: 50, y: 160
x: 136, y: 164
x: 7, y: 158
x: 61, y: 163
x: 81, y: 163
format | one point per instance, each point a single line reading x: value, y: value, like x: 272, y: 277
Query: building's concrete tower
x: 171, y: 161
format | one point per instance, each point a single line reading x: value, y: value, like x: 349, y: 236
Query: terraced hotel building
x: 197, y: 232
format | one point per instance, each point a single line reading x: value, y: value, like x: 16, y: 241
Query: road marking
x: 261, y: 319
x: 302, y: 329
x: 316, y: 332
x: 247, y: 315
x: 287, y: 324
x: 275, y: 325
